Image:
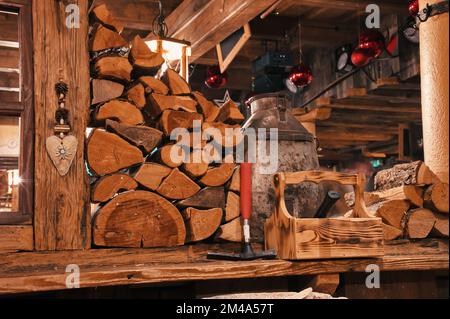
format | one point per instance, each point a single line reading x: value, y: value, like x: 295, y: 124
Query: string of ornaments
x: 62, y: 147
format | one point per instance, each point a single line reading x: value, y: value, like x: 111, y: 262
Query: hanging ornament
x: 392, y: 45
x: 413, y: 7
x: 301, y: 75
x: 215, y: 79
x: 361, y: 57
x: 373, y: 40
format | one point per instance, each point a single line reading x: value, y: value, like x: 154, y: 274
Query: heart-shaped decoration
x: 62, y: 152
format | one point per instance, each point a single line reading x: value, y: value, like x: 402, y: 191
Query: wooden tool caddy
x: 359, y: 235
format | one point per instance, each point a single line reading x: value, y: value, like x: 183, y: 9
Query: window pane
x: 9, y: 55
x: 9, y: 163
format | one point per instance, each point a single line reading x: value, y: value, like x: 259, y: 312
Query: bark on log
x: 139, y: 219
x: 232, y: 210
x: 420, y: 223
x: 178, y: 186
x: 104, y: 91
x: 176, y: 84
x: 210, y: 197
x: 145, y: 62
x: 108, y: 186
x: 146, y: 138
x: 136, y: 95
x: 201, y: 224
x: 209, y: 109
x: 153, y: 85
x: 102, y: 15
x: 218, y: 176
x: 159, y: 103
x: 231, y: 232
x: 411, y: 193
x: 229, y: 113
x: 113, y: 68
x: 107, y: 153
x: 171, y: 155
x: 103, y: 38
x: 436, y: 197
x: 171, y: 120
x: 416, y: 173
x: 151, y: 175
x: 122, y: 111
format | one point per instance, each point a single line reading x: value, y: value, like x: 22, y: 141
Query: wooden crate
x: 359, y: 235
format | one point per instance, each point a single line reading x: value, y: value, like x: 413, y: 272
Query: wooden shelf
x: 45, y: 271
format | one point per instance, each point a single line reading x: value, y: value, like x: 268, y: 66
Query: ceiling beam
x: 205, y: 23
x: 371, y: 103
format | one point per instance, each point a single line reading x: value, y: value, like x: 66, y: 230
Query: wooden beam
x: 9, y: 24
x: 9, y: 58
x: 346, y: 134
x: 9, y: 80
x: 15, y: 238
x: 62, y: 214
x: 46, y: 271
x: 205, y: 23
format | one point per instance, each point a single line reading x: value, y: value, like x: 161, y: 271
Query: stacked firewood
x: 412, y: 202
x: 147, y: 196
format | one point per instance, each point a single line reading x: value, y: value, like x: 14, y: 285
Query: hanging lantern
x: 413, y: 7
x: 301, y: 75
x: 373, y: 40
x: 215, y: 79
x: 362, y: 56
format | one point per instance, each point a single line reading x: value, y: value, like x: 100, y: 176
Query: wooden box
x: 356, y: 236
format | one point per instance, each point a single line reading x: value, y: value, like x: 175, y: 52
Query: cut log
x: 416, y: 173
x: 420, y: 223
x: 146, y: 138
x: 411, y: 193
x: 195, y: 169
x: 104, y: 90
x: 232, y: 210
x: 176, y: 84
x: 136, y: 94
x: 209, y: 109
x: 218, y: 176
x: 145, y: 62
x: 369, y: 198
x: 392, y: 212
x: 107, y: 153
x: 171, y: 120
x: 159, y: 103
x: 231, y: 232
x: 119, y: 110
x: 224, y: 135
x: 201, y: 224
x: 139, y: 219
x: 391, y: 233
x: 235, y: 184
x: 102, y: 15
x: 229, y: 113
x: 103, y: 38
x: 436, y: 197
x: 151, y: 175
x: 153, y: 85
x: 210, y: 197
x: 171, y: 155
x: 108, y: 186
x: 178, y: 186
x: 441, y: 227
x: 113, y: 68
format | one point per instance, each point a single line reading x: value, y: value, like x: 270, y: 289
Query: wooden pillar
x: 435, y: 98
x: 61, y: 214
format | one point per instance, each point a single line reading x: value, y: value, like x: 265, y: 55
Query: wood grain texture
x: 178, y: 186
x: 209, y: 197
x: 121, y: 111
x: 28, y: 272
x: 15, y: 238
x: 138, y: 219
x: 108, y: 186
x: 201, y: 224
x: 151, y: 175
x: 62, y: 214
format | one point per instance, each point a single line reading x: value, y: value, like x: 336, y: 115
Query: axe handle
x: 246, y: 190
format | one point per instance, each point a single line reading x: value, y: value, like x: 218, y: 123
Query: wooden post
x: 61, y: 212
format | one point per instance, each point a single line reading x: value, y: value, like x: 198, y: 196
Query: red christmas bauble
x: 301, y: 75
x: 373, y: 40
x: 413, y: 7
x: 215, y: 79
x: 362, y: 56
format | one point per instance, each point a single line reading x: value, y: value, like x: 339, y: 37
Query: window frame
x: 25, y: 110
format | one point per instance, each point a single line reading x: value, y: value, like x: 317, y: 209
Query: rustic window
x: 16, y: 113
